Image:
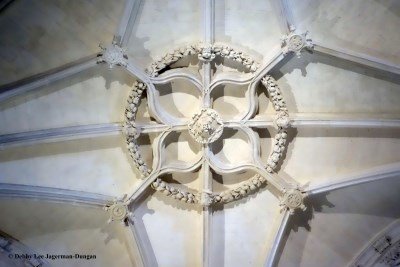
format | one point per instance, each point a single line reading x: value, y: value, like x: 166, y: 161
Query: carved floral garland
x: 208, y: 53
x: 204, y: 53
x: 281, y: 122
x: 131, y: 131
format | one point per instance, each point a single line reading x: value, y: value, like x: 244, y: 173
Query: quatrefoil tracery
x: 205, y: 127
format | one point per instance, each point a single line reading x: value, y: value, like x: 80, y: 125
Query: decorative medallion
x: 206, y: 126
x: 113, y: 55
x: 118, y: 210
x: 293, y: 199
x: 295, y: 42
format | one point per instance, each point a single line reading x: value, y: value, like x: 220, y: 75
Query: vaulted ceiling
x: 64, y: 162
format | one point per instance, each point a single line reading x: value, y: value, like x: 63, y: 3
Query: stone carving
x: 282, y: 120
x: 382, y: 244
x: 238, y: 56
x: 293, y: 199
x: 113, y: 55
x: 119, y: 210
x: 295, y: 42
x: 176, y: 193
x: 205, y: 198
x: 134, y: 101
x: 172, y: 57
x: 138, y: 160
x: 206, y: 126
x: 382, y: 250
x: 391, y: 257
x: 241, y: 191
x: 206, y: 54
x: 277, y: 150
x: 130, y: 129
x: 274, y: 93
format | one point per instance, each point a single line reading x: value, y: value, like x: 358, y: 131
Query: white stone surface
x: 162, y: 25
x: 366, y: 26
x: 253, y: 27
x: 230, y: 101
x: 314, y: 85
x: 349, y: 218
x: 51, y: 33
x: 319, y: 84
x: 179, y: 98
x: 98, y: 165
x: 320, y: 156
x: 65, y: 229
x: 169, y: 232
x: 96, y: 96
x: 241, y: 230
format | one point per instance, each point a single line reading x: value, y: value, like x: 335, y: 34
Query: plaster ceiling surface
x: 356, y: 25
x: 54, y: 227
x: 116, y: 150
x: 359, y: 213
x: 50, y: 34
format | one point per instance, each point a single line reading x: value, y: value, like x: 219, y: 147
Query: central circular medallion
x: 206, y: 126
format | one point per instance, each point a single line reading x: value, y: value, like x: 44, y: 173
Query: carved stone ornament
x: 204, y: 53
x: 130, y: 130
x: 206, y: 198
x: 295, y: 42
x: 391, y: 257
x: 381, y: 250
x: 282, y: 120
x: 118, y: 210
x: 178, y: 194
x: 293, y: 199
x: 206, y: 126
x: 113, y: 55
x: 241, y: 191
x: 277, y: 150
x: 226, y: 51
x: 207, y: 54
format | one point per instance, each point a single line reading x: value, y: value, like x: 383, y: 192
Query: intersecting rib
x: 58, y: 134
x: 139, y: 252
x: 277, y: 240
x: 285, y: 15
x: 127, y: 21
x: 29, y: 84
x: 371, y: 175
x: 272, y: 60
x: 357, y: 58
x: 53, y: 194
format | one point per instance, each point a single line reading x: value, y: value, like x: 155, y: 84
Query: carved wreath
x: 206, y: 127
